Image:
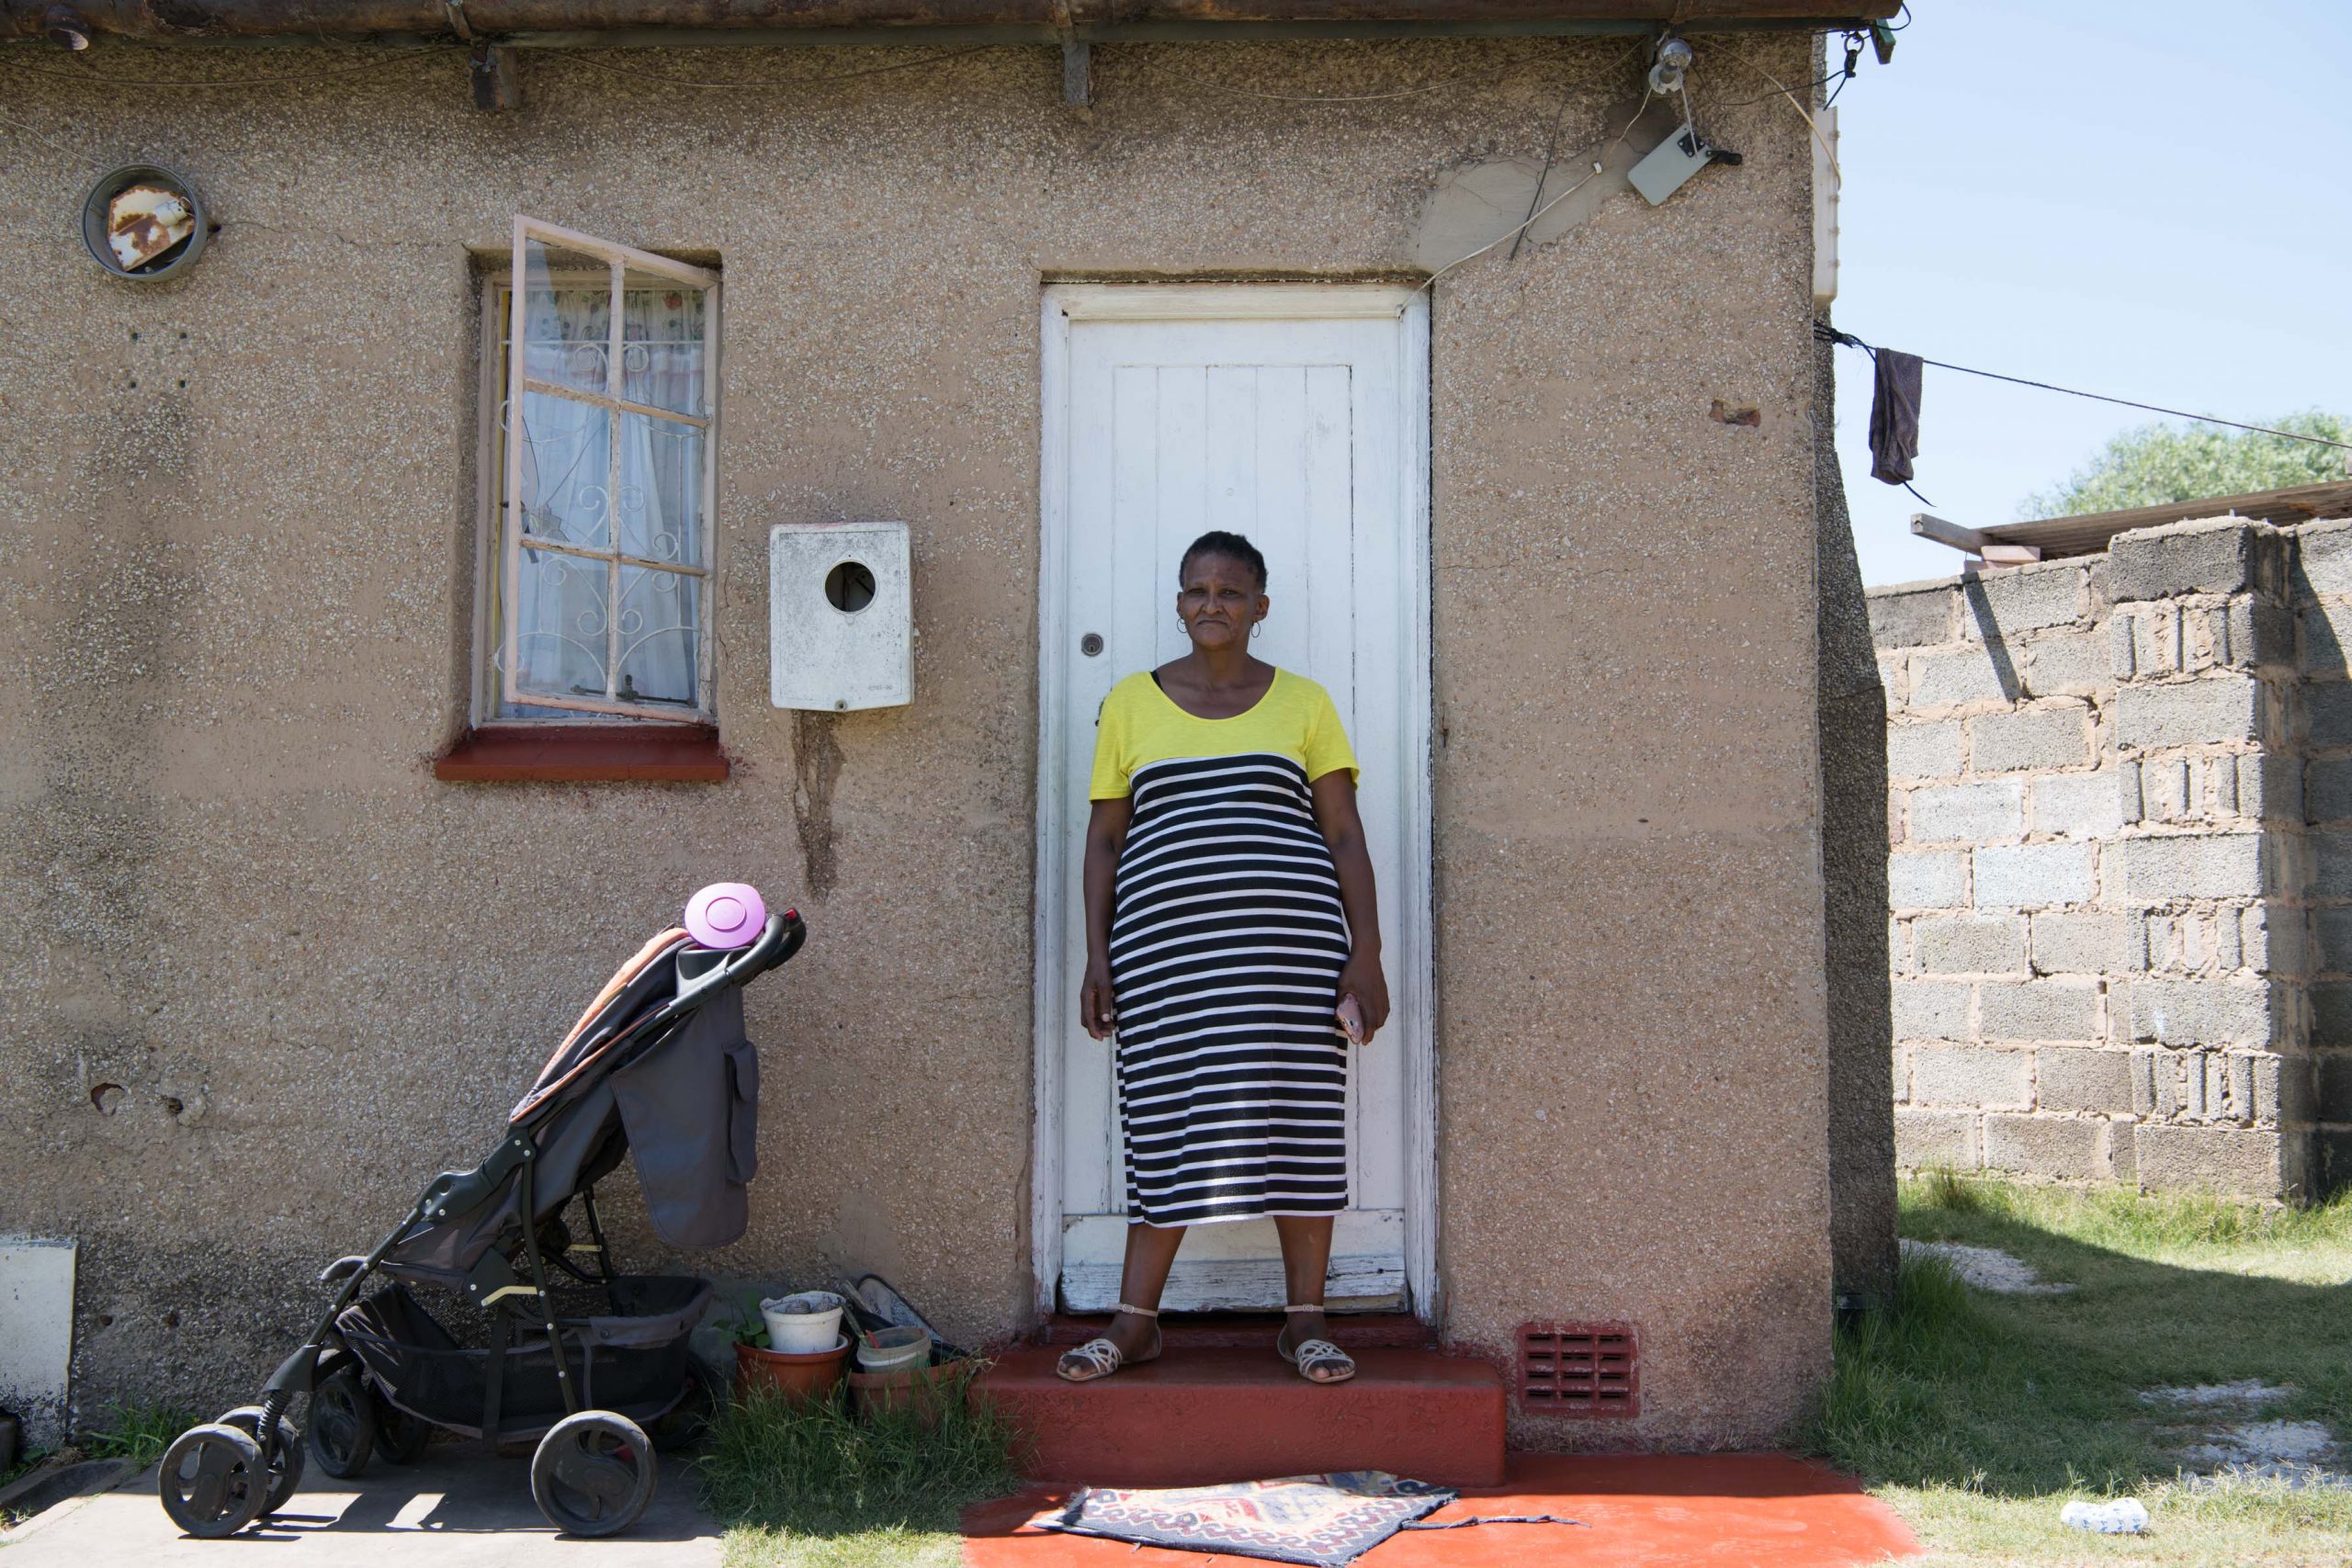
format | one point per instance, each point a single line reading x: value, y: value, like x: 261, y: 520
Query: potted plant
x: 802, y: 1378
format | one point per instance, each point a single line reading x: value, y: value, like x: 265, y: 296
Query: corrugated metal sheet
x: 2089, y: 533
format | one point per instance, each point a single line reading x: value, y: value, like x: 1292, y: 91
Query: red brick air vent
x: 1579, y: 1368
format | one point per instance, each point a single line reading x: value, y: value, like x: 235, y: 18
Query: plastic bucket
x: 894, y: 1350
x: 800, y: 1378
x: 803, y: 1324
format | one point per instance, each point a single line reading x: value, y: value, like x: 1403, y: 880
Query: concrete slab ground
x: 1638, y: 1511
x: 451, y: 1508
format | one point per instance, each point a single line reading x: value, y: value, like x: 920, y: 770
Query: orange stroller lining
x: 613, y: 987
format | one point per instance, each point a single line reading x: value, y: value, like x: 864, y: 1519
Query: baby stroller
x: 576, y: 1355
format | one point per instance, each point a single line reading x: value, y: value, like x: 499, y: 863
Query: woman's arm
x: 1335, y: 813
x: 1106, y: 830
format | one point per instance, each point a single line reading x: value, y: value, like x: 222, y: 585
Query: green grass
x: 133, y: 1431
x: 817, y: 1487
x: 1978, y: 1414
x: 140, y: 1432
x: 27, y: 1461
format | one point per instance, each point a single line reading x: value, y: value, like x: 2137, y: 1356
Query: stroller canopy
x: 657, y: 1067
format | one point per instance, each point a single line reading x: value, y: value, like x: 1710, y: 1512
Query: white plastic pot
x: 803, y: 1324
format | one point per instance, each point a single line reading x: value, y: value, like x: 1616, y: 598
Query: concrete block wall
x: 2322, y: 581
x: 2100, y: 888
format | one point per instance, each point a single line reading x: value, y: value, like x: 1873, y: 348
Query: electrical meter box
x: 841, y: 616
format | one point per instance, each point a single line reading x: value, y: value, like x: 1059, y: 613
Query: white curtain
x: 657, y: 514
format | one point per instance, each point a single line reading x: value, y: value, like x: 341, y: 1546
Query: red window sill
x: 584, y: 753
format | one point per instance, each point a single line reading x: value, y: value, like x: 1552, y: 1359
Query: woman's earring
x: 1256, y: 630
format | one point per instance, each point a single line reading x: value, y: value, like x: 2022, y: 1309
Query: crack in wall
x: 815, y: 764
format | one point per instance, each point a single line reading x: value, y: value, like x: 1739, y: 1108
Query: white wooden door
x: 1295, y: 416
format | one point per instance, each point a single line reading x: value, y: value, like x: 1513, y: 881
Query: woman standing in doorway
x: 1233, y: 946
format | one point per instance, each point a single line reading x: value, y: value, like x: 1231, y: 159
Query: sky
x: 2147, y: 199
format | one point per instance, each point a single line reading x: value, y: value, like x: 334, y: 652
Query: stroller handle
x: 778, y: 939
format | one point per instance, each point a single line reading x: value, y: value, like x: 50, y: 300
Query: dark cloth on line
x: 1895, y: 416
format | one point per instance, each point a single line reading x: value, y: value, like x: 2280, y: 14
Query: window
x: 599, y: 461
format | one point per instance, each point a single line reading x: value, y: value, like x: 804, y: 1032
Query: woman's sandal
x: 1317, y: 1360
x: 1099, y: 1357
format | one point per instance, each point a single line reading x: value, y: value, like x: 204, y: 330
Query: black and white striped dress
x: 1227, y: 943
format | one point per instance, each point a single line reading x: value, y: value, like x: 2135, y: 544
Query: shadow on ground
x: 456, y: 1507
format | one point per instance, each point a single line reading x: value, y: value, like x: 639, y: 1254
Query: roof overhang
x: 2053, y: 539
x: 607, y: 23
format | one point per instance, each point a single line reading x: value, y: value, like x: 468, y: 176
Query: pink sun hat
x: 726, y: 914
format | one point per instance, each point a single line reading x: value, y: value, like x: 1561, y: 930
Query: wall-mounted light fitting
x: 1674, y: 58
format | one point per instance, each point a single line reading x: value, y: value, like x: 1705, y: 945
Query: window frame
x: 499, y: 521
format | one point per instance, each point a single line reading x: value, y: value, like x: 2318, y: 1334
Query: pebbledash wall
x: 2121, y: 871
x: 267, y: 971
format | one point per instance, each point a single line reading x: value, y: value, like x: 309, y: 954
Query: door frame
x: 1411, y: 952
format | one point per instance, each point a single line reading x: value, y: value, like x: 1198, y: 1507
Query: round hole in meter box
x: 849, y: 587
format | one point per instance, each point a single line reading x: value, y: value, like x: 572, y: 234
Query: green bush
x: 2160, y: 463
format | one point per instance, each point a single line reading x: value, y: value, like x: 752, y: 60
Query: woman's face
x: 1219, y: 601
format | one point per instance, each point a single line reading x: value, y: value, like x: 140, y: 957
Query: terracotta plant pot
x: 801, y: 1379
x: 925, y: 1389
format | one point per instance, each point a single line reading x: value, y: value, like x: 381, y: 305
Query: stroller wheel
x: 285, y: 1464
x: 342, y: 1430
x: 400, y: 1437
x: 212, y: 1481
x: 594, y: 1474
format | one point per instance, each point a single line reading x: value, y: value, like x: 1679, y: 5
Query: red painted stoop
x: 1201, y: 1416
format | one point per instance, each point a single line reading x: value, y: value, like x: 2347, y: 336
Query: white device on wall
x: 841, y: 616
x: 1669, y: 165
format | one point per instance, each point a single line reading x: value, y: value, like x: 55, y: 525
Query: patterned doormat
x: 1325, y: 1521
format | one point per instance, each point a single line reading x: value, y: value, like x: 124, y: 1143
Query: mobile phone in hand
x: 1351, y: 1018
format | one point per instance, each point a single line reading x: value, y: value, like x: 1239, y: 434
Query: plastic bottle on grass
x: 2125, y: 1515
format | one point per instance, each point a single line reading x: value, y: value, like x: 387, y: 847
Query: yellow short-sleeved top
x: 1141, y: 725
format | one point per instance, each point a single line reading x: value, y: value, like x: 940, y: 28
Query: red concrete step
x: 1196, y: 1416
x: 1633, y: 1511
x: 1251, y: 1330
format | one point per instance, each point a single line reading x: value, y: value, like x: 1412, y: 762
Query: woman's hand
x: 1343, y: 830
x: 1095, y: 1006
x: 1106, y: 830
x: 1363, y: 981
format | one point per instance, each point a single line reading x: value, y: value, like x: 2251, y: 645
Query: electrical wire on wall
x: 1670, y: 76
x: 1496, y: 76
x: 761, y: 83
x: 1598, y: 157
x: 92, y: 76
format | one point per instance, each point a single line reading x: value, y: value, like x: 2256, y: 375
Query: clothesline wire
x: 1827, y: 334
